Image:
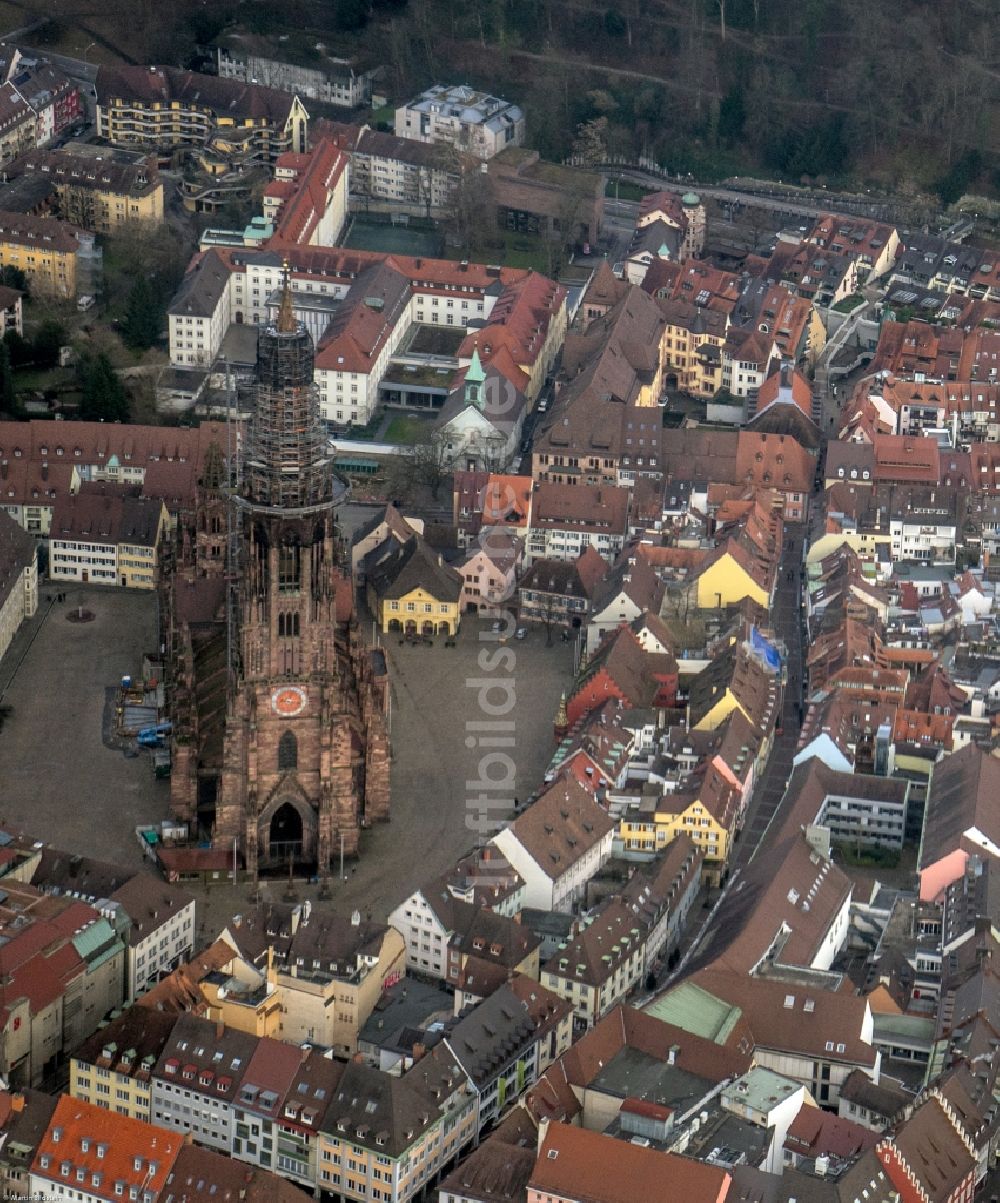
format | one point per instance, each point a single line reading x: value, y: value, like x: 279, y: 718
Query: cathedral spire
x: 286, y: 316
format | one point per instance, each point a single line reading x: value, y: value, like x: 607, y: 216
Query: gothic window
x: 288, y: 751
x: 288, y: 625
x: 289, y: 567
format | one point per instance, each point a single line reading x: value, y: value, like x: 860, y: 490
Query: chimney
x: 17, y: 1102
x: 220, y: 1030
x: 672, y: 1055
x: 358, y: 1059
x: 418, y: 1052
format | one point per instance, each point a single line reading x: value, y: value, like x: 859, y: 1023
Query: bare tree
x: 551, y: 615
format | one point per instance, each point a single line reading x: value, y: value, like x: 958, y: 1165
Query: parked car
x: 521, y: 633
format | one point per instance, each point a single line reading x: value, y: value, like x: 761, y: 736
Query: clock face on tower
x: 288, y: 701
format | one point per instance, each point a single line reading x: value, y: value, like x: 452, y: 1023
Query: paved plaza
x: 59, y: 781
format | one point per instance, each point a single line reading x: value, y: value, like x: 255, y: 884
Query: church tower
x: 295, y: 755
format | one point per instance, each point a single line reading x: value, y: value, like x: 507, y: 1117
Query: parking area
x: 60, y: 783
x: 438, y: 693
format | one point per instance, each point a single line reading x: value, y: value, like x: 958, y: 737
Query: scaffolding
x: 288, y: 466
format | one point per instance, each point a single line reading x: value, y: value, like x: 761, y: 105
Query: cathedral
x: 280, y: 734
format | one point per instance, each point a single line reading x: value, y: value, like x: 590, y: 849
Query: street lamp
x: 88, y: 50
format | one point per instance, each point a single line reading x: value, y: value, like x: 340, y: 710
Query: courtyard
x: 61, y: 784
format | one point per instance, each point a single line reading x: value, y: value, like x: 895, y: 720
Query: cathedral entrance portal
x: 285, y: 842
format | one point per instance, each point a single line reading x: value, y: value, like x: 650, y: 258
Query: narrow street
x: 787, y: 618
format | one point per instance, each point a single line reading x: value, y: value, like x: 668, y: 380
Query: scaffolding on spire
x: 286, y: 314
x: 288, y: 461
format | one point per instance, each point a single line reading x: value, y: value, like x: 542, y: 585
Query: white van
x: 84, y: 303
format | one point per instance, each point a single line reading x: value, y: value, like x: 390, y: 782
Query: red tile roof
x: 107, y: 1148
x: 574, y: 1163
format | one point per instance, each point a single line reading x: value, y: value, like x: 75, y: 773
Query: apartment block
x: 471, y: 121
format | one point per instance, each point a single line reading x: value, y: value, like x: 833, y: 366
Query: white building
x: 424, y: 922
x: 196, y: 1080
x: 162, y: 930
x: 332, y: 80
x: 384, y: 167
x: 770, y: 1100
x: 471, y: 121
x: 201, y: 312
x: 923, y: 526
x: 557, y: 845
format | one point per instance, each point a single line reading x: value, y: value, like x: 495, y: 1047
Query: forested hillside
x: 893, y: 91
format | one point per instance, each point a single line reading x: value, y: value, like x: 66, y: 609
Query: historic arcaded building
x: 280, y: 738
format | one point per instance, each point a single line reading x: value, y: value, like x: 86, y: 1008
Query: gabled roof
x: 636, y: 674
x: 817, y: 1133
x: 561, y: 827
x: 415, y: 565
x: 600, y: 947
x: 932, y: 1152
x: 780, y: 910
x: 378, y: 1111
x: 633, y: 578
x: 782, y: 1019
x: 492, y: 1034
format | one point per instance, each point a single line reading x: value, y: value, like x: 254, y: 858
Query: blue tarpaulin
x: 760, y: 645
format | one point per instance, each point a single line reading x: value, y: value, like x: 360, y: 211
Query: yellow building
x: 323, y: 998
x: 692, y: 347
x: 243, y: 1001
x: 731, y: 577
x: 707, y: 816
x: 94, y: 191
x: 865, y: 543
x: 114, y: 1068
x: 384, y: 1138
x: 46, y: 250
x: 411, y: 590
x: 165, y: 107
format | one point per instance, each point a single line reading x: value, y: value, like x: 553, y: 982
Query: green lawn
x: 404, y: 429
x: 625, y: 190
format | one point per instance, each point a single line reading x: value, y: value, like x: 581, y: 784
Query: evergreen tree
x: 50, y: 337
x: 141, y: 326
x: 104, y: 397
x: 8, y: 398
x: 13, y: 277
x: 18, y: 348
